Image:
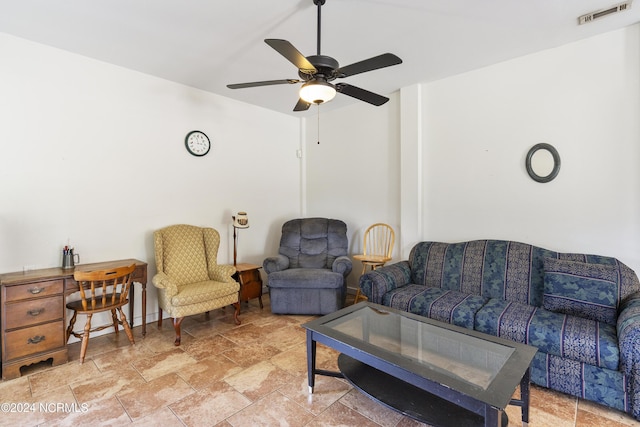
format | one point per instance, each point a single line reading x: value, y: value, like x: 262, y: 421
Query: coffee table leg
x: 524, y: 396
x: 311, y: 360
x: 492, y: 417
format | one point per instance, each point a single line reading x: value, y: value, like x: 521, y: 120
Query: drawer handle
x: 36, y: 291
x: 35, y: 313
x: 36, y: 340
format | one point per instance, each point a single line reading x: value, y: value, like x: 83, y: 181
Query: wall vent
x: 590, y: 17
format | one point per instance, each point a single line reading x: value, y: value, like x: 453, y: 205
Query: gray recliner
x: 308, y: 276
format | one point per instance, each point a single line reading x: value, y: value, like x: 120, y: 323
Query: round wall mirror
x: 543, y: 162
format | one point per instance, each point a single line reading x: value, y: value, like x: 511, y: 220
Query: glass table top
x: 486, y: 367
x: 470, y: 359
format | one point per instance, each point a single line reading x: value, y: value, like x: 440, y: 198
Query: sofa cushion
x: 505, y: 319
x: 572, y: 337
x: 575, y: 338
x: 585, y: 290
x: 401, y: 297
x: 447, y: 306
x: 439, y: 304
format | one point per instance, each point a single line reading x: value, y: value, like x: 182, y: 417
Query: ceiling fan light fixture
x: 317, y: 92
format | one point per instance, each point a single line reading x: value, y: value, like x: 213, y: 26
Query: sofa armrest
x: 342, y: 265
x: 378, y: 282
x: 628, y: 326
x: 222, y: 273
x: 164, y: 282
x: 275, y: 263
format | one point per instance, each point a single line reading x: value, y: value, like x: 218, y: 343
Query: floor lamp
x: 239, y: 221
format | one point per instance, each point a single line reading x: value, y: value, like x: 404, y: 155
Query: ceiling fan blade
x: 377, y: 62
x: 302, y: 105
x: 264, y: 83
x: 361, y: 94
x: 294, y: 56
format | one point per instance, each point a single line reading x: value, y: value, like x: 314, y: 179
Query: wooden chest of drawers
x: 32, y: 322
x: 33, y: 313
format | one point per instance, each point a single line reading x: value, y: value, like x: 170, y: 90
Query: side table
x: 248, y: 276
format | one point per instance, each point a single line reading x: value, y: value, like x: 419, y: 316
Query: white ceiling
x: 208, y: 44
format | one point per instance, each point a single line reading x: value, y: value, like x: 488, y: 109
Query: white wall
x: 582, y: 98
x: 475, y: 131
x: 353, y: 173
x: 93, y: 154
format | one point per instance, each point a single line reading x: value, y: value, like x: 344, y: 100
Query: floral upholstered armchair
x: 189, y: 279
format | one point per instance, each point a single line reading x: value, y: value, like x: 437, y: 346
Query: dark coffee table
x: 437, y: 373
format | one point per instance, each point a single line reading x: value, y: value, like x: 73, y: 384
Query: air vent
x: 590, y: 17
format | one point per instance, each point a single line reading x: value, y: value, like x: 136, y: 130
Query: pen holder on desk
x: 69, y: 259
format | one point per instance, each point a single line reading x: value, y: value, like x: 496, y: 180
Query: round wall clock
x: 197, y: 143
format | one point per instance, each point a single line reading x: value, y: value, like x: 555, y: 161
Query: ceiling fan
x: 316, y: 72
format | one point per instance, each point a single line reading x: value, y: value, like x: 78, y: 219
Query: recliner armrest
x: 342, y: 265
x: 275, y: 263
x: 378, y: 282
x: 162, y: 281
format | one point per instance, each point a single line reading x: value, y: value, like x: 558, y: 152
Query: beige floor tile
x: 208, y: 346
x: 551, y: 406
x: 590, y: 419
x: 245, y: 335
x: 43, y: 382
x: 250, y: 355
x: 163, y: 417
x: 410, y: 422
x: 163, y: 363
x: 107, y: 384
x: 272, y: 410
x: 341, y: 415
x: 150, y: 397
x: 99, y: 413
x: 293, y: 360
x: 327, y: 391
x: 208, y: 371
x: 371, y: 409
x: 208, y: 328
x: 121, y: 357
x: 618, y: 417
x: 15, y: 390
x: 286, y: 337
x: 210, y: 406
x: 259, y: 380
x: 33, y: 411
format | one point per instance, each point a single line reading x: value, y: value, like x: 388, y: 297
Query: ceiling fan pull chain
x: 318, y: 124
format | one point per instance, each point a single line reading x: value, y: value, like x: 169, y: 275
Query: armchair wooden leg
x: 236, y: 313
x: 159, y: 318
x: 177, y: 321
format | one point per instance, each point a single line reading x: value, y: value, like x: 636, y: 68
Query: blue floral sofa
x: 581, y: 311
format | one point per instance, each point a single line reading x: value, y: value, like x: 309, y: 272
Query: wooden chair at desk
x: 101, y: 290
x: 377, y: 249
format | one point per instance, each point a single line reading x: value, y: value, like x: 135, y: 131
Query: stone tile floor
x: 226, y: 375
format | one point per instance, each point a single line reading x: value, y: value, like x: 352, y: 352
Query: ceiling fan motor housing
x: 327, y: 68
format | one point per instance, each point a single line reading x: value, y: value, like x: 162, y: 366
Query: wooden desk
x: 33, y: 317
